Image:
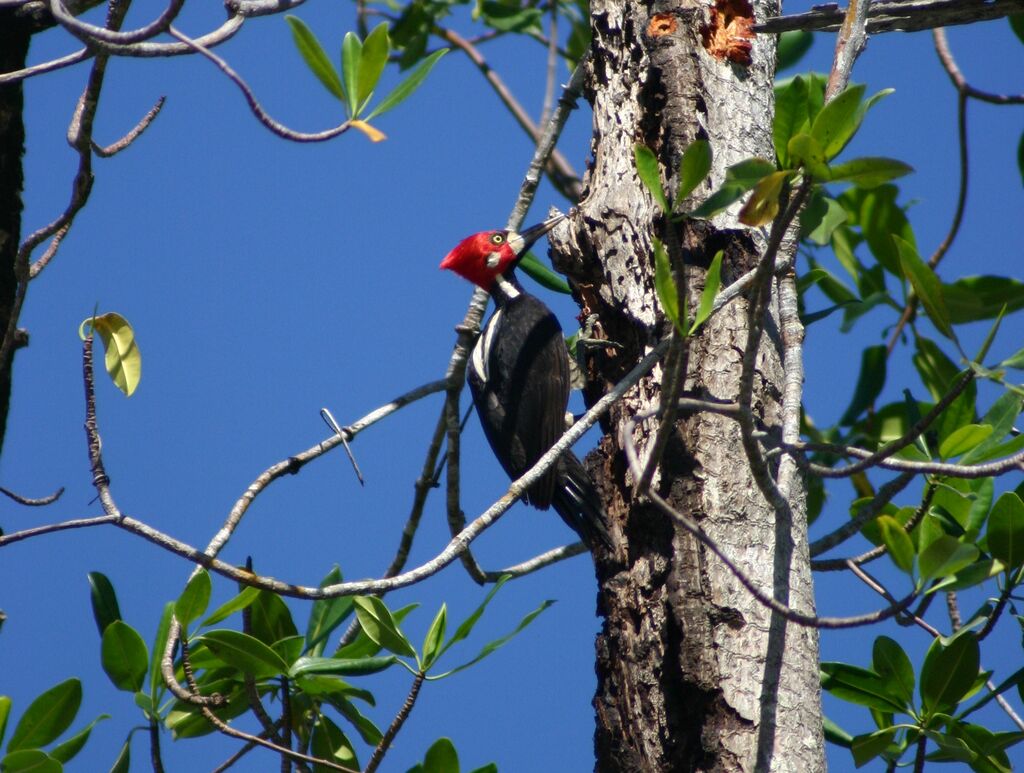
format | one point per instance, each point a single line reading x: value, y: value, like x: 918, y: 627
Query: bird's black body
x: 519, y: 377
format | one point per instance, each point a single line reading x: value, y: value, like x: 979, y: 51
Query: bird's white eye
x: 498, y: 238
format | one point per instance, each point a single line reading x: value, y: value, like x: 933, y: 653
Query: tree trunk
x: 14, y: 39
x: 693, y: 672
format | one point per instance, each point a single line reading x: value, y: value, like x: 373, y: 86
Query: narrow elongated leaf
x: 330, y: 743
x: 194, y: 599
x: 271, y: 619
x: 341, y: 666
x: 105, y: 609
x: 1001, y: 417
x: 869, y: 172
x: 1017, y: 25
x: 367, y: 730
x: 123, y: 762
x: 896, y: 539
x: 860, y: 686
x: 649, y: 171
x: 1006, y: 530
x: 123, y: 360
x: 973, y: 298
x: 963, y: 440
x: 739, y: 178
x: 244, y: 652
x: 891, y: 663
x: 944, y: 556
x: 380, y: 626
x: 835, y: 124
x: 315, y: 57
x: 49, y: 715
x: 363, y: 646
x: 5, y: 713
x: 490, y: 647
x: 406, y: 88
x: 156, y: 680
x: 869, y: 383
x: 820, y: 219
x: 712, y: 281
x: 665, y: 285
x: 66, y: 751
x: 372, y: 60
x: 791, y: 117
x: 926, y: 286
x: 511, y: 17
x: 434, y: 639
x: 866, y: 747
x: 229, y: 607
x: 949, y: 671
x: 835, y: 734
x: 467, y: 625
x: 326, y: 615
x: 693, y: 168
x: 351, y: 49
x: 542, y: 275
x: 124, y: 656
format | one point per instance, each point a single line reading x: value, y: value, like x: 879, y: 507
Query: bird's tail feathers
x: 576, y: 500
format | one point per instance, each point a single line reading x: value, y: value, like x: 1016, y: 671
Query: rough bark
x: 14, y: 39
x: 693, y: 673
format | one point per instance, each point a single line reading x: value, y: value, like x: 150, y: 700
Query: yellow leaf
x: 763, y: 205
x: 375, y: 135
x: 123, y: 359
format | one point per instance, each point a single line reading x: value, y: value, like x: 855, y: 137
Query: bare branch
x: 396, y: 724
x: 902, y: 15
x: 539, y: 562
x: 41, y: 501
x: 867, y: 513
x: 116, y: 147
x: 90, y: 34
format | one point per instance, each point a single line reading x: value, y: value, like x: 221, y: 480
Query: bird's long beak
x: 522, y: 241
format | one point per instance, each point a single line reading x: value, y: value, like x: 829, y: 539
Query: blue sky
x: 266, y: 280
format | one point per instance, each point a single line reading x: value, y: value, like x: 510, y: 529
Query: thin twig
x: 396, y: 724
x: 39, y: 502
x: 106, y: 151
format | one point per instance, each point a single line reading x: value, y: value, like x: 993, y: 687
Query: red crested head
x: 483, y: 257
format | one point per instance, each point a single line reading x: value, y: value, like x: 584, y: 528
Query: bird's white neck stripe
x: 507, y: 288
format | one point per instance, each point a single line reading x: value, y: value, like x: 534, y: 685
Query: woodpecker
x: 518, y: 374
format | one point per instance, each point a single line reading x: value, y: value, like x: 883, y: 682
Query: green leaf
x: 944, y: 556
x: 1016, y: 361
x: 346, y: 666
x: 949, y: 671
x: 897, y: 541
x: 963, y: 439
x: 229, y: 607
x: 368, y: 731
x: 869, y: 383
x: 123, y: 359
x: 405, y: 89
x: 363, y: 646
x: 804, y: 150
x: 194, y: 599
x: 105, y: 609
x: 860, y: 686
x: 866, y: 747
x: 123, y: 762
x: 926, y: 286
x: 49, y: 715
x: 835, y: 734
x: 372, y: 60
x: 879, y: 217
x: 665, y: 285
x: 511, y: 18
x: 441, y: 757
x: 330, y: 743
x: 66, y: 751
x: 124, y: 656
x: 1001, y: 417
x: 792, y: 47
x: 156, y: 680
x: 326, y: 614
x: 836, y: 123
x: 712, y: 281
x: 739, y: 178
x: 891, y: 663
x: 380, y: 626
x: 351, y: 50
x: 30, y: 761
x: 466, y: 626
x: 5, y: 713
x: 1006, y: 530
x: 870, y: 171
x: 1020, y: 148
x: 434, y: 639
x: 693, y: 168
x: 542, y: 275
x: 974, y: 298
x: 791, y: 117
x: 270, y: 620
x: 244, y: 652
x: 315, y: 56
x: 649, y: 172
x: 820, y: 218
x: 1017, y: 25
x: 490, y: 647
